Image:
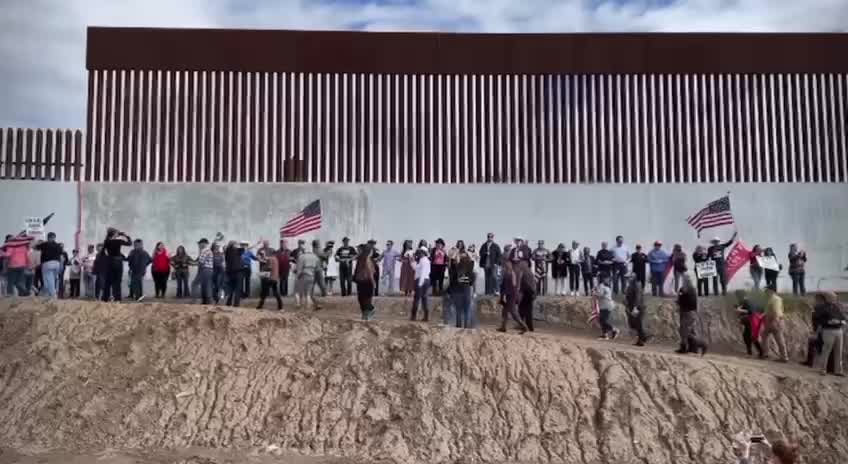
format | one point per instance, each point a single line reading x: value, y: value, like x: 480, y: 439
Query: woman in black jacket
x: 687, y: 302
x: 700, y: 256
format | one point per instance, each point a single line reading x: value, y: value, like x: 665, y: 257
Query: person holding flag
x: 716, y: 253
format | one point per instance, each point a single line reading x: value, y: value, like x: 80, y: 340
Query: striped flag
x: 715, y: 214
x: 305, y: 221
x: 596, y: 312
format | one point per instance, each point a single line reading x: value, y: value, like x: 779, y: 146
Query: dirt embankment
x: 81, y: 376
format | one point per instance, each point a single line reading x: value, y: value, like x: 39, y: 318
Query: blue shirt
x: 658, y: 259
x: 246, y: 258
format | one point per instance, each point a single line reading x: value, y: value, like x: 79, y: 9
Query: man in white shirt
x: 621, y: 256
x: 574, y: 268
x: 422, y: 284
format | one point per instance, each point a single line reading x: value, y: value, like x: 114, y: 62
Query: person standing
x: 687, y: 302
x: 509, y: 295
x: 64, y: 262
x: 345, y: 257
x: 51, y: 256
x: 331, y: 267
x: 588, y: 269
x: 635, y: 304
x: 490, y: 258
x: 438, y: 267
x: 461, y: 283
x: 603, y: 294
x: 639, y: 261
x: 521, y: 252
x: 363, y: 276
x: 180, y: 262
x: 797, y: 263
x: 526, y: 293
x: 772, y: 274
x: 750, y: 317
x: 138, y: 261
x: 700, y: 256
x: 115, y: 266
x: 541, y: 260
x: 101, y: 270
x: 559, y: 269
x: 408, y: 263
x: 233, y: 268
x: 307, y: 264
x: 219, y: 274
x: 319, y: 277
x: 89, y: 277
x: 604, y: 261
x: 755, y: 268
x: 830, y: 320
x: 774, y: 325
x: 16, y: 250
x: 205, y: 266
x: 376, y: 256
x: 422, y: 284
x: 390, y: 259
x: 284, y: 263
x: 247, y: 259
x: 716, y: 253
x: 659, y: 259
x: 573, y: 260
x: 269, y: 274
x: 678, y: 263
x: 620, y: 258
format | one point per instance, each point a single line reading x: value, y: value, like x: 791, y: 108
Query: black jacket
x: 640, y: 262
x: 232, y: 258
x: 138, y: 261
x: 687, y: 300
x: 828, y: 316
x: 604, y: 255
x: 490, y: 253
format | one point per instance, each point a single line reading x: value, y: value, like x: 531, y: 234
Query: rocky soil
x: 85, y: 379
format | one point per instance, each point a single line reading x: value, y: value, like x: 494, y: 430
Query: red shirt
x: 283, y: 257
x: 161, y: 262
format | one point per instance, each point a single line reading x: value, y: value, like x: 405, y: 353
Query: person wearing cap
x: 307, y: 264
x: 137, y: 262
x: 639, y: 263
x: 521, y: 252
x: 205, y: 267
x: 422, y: 284
x: 700, y: 256
x: 345, y: 256
x: 247, y: 259
x: 541, y: 260
x: 634, y: 302
x: 620, y: 258
x: 716, y: 253
x: 390, y: 259
x: 490, y: 258
x: 659, y: 260
x: 573, y: 258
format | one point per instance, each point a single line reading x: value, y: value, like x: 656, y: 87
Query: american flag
x: 714, y: 214
x: 596, y: 312
x: 305, y: 221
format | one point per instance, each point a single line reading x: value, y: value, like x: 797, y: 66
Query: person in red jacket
x: 284, y: 262
x: 161, y: 269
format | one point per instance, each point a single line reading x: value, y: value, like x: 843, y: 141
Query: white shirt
x: 574, y: 255
x: 620, y: 254
x: 422, y: 270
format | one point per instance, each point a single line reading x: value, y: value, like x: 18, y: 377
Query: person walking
x: 774, y: 325
x: 687, y: 303
x: 115, y: 240
x: 284, y: 263
x: 716, y: 253
x: 526, y: 293
x: 635, y: 304
x: 205, y: 265
x: 269, y: 275
x: 772, y: 274
x: 422, y: 284
x: 797, y: 263
x: 75, y: 273
x: 233, y: 268
x: 16, y: 249
x: 678, y: 263
x: 438, y: 266
x: 390, y: 260
x: 603, y: 294
x: 319, y: 278
x: 180, y: 262
x: 89, y: 277
x: 509, y: 295
x: 639, y: 262
x: 750, y: 316
x: 587, y: 269
x: 138, y: 260
x: 363, y: 276
x: 755, y: 268
x: 51, y: 264
x: 160, y: 269
x: 573, y: 260
x: 490, y: 258
x: 345, y: 256
x: 700, y: 256
x: 307, y: 264
x: 659, y: 260
x: 541, y: 261
x: 620, y: 259
x: 408, y: 263
x: 830, y: 320
x: 559, y: 269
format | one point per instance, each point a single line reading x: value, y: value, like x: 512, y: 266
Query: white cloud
x: 42, y: 42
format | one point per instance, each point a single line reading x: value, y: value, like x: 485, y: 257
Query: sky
x: 42, y: 42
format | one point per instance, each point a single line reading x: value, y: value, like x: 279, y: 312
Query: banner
x: 736, y: 258
x: 768, y: 262
x: 705, y: 269
x: 34, y: 227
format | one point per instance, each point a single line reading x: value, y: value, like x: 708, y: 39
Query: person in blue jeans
x: 51, y: 265
x: 658, y: 259
x: 462, y: 281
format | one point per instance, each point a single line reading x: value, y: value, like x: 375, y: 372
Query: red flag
x: 738, y: 257
x: 668, y: 281
x: 596, y: 312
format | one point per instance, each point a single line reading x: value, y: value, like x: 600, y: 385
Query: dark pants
x: 542, y: 285
x: 376, y: 280
x: 720, y: 279
x: 15, y: 279
x: 284, y: 284
x: 203, y: 283
x: 437, y: 278
x: 345, y: 276
x: 365, y: 295
x: 771, y: 279
x: 245, y: 282
x: 588, y: 283
x: 182, y: 285
x: 234, y: 281
x: 269, y: 286
x: 689, y: 342
x: 748, y: 337
x: 636, y: 323
x: 619, y: 277
x: 60, y: 283
x: 114, y: 275
x: 798, y: 287
x: 525, y: 310
x: 574, y: 277
x: 640, y: 277
x: 136, y: 284
x: 160, y: 282
x: 75, y: 288
x: 218, y: 281
x: 657, y: 283
x: 39, y: 279
x: 603, y: 320
x: 491, y: 280
x: 420, y: 296
x: 703, y: 287
x: 462, y: 304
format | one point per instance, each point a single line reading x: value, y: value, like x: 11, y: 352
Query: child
x: 75, y: 274
x: 138, y: 260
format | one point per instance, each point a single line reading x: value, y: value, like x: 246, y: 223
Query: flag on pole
x: 715, y: 214
x: 596, y: 312
x: 737, y: 258
x: 307, y: 220
x: 668, y: 280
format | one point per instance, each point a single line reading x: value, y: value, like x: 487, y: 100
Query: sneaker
x: 615, y: 333
x: 784, y: 361
x: 639, y: 343
x: 603, y: 337
x: 140, y: 299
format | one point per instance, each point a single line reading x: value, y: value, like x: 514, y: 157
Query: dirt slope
x: 79, y: 376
